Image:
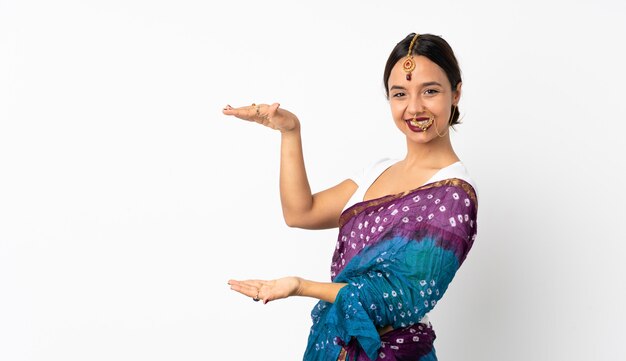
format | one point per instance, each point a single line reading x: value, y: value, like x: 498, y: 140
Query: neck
x: 435, y: 154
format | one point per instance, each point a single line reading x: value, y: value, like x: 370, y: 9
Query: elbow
x: 296, y: 220
x: 292, y: 222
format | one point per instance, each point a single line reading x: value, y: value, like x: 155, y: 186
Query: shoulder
x: 456, y: 171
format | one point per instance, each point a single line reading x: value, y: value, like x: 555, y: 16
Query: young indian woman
x: 405, y: 225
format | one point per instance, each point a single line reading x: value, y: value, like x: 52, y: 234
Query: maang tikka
x: 409, y: 63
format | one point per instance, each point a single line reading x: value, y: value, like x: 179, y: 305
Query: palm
x: 267, y: 290
x: 268, y: 115
x: 282, y: 287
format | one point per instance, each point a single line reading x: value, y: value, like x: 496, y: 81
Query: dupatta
x: 397, y: 254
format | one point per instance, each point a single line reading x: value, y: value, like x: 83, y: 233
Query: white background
x: 127, y: 200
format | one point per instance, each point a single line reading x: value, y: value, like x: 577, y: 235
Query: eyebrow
x: 429, y: 83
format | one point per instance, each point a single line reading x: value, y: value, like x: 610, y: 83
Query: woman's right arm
x: 301, y: 208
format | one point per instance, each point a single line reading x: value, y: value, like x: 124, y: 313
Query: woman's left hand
x: 267, y: 290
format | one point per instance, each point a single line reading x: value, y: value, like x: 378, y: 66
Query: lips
x: 420, y: 124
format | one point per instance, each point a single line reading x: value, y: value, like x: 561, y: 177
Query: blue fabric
x: 403, y: 281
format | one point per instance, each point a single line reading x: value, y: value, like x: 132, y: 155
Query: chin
x: 416, y: 137
x: 419, y: 138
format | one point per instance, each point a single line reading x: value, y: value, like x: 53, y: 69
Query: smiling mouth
x: 422, y: 123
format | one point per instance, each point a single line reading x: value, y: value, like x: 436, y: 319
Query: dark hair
x: 434, y: 48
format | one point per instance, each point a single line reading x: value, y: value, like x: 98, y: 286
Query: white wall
x: 127, y: 200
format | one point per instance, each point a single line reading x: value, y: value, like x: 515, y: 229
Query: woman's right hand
x: 269, y: 115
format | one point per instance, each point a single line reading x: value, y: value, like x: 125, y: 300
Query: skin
x: 429, y: 93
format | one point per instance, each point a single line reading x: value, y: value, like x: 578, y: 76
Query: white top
x: 366, y: 177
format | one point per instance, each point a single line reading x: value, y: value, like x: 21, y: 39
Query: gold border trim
x: 359, y: 207
x: 342, y: 355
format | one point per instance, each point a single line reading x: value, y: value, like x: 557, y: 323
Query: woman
x: 405, y: 225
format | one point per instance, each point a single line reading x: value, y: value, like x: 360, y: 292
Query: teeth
x: 418, y: 123
x: 422, y: 124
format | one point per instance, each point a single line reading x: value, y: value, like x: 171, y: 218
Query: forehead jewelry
x: 409, y: 63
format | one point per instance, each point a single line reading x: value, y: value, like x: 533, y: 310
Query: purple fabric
x: 367, y: 222
x: 408, y: 344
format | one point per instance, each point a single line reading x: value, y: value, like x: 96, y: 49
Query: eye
x: 431, y: 91
x: 398, y: 95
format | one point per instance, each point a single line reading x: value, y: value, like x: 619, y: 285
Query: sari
x: 397, y: 254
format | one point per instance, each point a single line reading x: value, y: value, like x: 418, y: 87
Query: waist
x: 383, y: 330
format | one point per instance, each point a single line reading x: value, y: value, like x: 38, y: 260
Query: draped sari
x: 397, y: 255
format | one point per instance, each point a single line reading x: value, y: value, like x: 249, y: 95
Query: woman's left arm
x: 286, y: 287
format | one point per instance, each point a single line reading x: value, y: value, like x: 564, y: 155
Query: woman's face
x: 427, y: 96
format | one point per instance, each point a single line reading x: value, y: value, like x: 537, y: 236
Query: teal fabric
x: 403, y: 280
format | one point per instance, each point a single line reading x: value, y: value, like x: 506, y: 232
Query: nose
x: 415, y: 107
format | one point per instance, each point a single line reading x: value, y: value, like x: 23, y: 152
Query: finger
x: 229, y: 110
x: 245, y: 289
x: 247, y: 285
x: 252, y: 283
x: 269, y: 291
x: 265, y: 295
x: 246, y: 113
x: 271, y: 112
